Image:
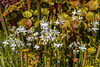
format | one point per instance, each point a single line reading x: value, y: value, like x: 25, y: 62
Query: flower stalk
x: 26, y: 59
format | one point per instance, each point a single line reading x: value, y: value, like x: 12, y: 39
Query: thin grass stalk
x: 45, y: 57
x: 97, y: 55
x: 2, y: 59
x: 64, y: 50
x: 58, y: 59
x: 50, y: 55
x: 3, y: 23
x: 81, y: 58
x: 26, y: 59
x: 16, y: 59
x: 38, y: 10
x: 36, y: 63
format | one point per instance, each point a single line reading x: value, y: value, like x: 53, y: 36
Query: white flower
x: 35, y: 34
x: 64, y: 35
x: 57, y: 45
x: 89, y: 30
x: 73, y: 18
x: 37, y: 47
x: 56, y: 22
x: 75, y: 51
x: 44, y: 24
x: 13, y: 48
x: 56, y: 32
x: 79, y: 12
x: 95, y: 23
x: 12, y: 45
x: 22, y: 44
x: 53, y: 38
x: 74, y: 12
x: 82, y: 47
x: 5, y: 43
x: 13, y: 28
x: 28, y: 44
x: 80, y: 18
x: 95, y: 29
x: 62, y: 21
x: 29, y: 38
x: 70, y: 45
x: 31, y: 30
x: 75, y: 44
x: 20, y: 30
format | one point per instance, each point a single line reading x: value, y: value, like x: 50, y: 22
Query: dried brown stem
x: 59, y: 7
x: 85, y: 54
x: 38, y: 10
x: 51, y: 11
x: 21, y: 57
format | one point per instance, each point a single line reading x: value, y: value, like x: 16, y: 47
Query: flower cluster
x: 58, y: 45
x: 78, y: 45
x: 78, y: 13
x: 13, y: 42
x: 21, y: 30
x: 95, y: 25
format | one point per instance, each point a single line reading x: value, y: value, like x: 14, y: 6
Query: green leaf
x: 91, y: 50
x: 90, y: 16
x: 27, y: 14
x: 94, y: 5
x: 45, y: 11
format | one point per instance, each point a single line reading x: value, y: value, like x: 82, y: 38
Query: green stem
x: 3, y: 23
x: 26, y: 59
x: 58, y: 58
x: 97, y: 55
x: 45, y: 60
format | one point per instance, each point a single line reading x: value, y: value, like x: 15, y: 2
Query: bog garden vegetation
x: 49, y: 33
